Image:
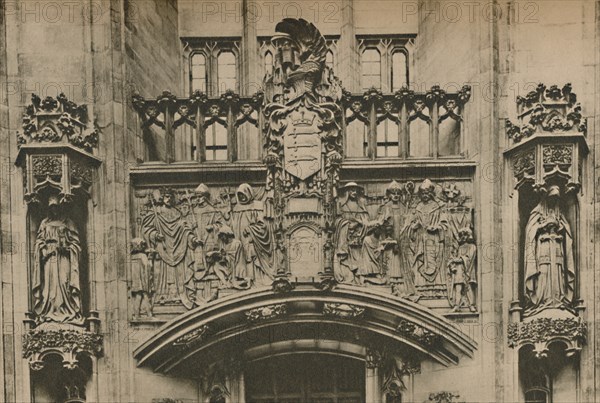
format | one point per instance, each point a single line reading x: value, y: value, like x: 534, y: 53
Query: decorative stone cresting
x: 550, y: 110
x: 68, y: 343
x: 541, y: 332
x: 57, y: 120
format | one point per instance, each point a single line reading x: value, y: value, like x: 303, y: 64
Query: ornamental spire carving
x: 58, y: 120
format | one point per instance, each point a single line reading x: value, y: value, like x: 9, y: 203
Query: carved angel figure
x: 56, y: 287
x: 549, y: 263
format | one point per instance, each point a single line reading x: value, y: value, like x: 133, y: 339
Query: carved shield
x: 302, y: 145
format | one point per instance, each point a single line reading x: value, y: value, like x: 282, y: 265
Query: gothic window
x: 329, y: 59
x: 387, y: 139
x: 269, y: 63
x: 399, y: 70
x: 213, y: 66
x: 226, y: 72
x: 370, y: 69
x: 198, y: 72
x: 216, y: 142
x: 357, y: 141
x: 384, y: 62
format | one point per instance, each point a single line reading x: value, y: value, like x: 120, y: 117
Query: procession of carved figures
x: 416, y: 240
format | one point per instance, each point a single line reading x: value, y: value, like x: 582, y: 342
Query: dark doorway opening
x: 304, y: 378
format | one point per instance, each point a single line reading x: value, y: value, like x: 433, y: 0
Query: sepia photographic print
x: 274, y: 201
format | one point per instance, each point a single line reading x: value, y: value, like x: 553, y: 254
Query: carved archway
x: 248, y: 320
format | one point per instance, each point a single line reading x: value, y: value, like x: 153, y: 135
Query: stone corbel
x: 67, y: 343
x: 540, y: 333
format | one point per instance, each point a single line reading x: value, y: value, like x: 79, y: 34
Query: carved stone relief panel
x: 413, y: 239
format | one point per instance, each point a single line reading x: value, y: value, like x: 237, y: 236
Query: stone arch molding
x: 259, y: 319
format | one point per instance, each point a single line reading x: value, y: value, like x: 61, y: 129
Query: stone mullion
x: 250, y: 79
x: 403, y: 136
x: 231, y: 135
x: 200, y: 134
x: 348, y: 53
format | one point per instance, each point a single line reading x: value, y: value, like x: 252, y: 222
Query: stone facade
x: 381, y: 201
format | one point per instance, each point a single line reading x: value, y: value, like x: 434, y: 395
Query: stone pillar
x: 237, y: 389
x: 373, y: 360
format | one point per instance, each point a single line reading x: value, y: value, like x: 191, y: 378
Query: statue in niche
x: 251, y: 227
x: 393, y: 214
x: 142, y: 287
x: 350, y: 231
x: 166, y: 230
x: 56, y: 287
x: 425, y: 231
x: 227, y: 260
x: 463, y: 272
x: 549, y: 263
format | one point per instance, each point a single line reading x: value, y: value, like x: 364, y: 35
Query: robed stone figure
x: 56, y: 287
x: 351, y: 230
x: 171, y: 236
x: 252, y: 229
x: 425, y: 227
x: 549, y: 263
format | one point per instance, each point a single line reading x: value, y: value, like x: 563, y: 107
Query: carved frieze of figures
x: 419, y: 240
x: 198, y: 244
x: 56, y: 272
x: 414, y: 240
x: 549, y: 263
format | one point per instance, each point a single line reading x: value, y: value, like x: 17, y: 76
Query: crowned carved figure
x: 56, y: 282
x: 549, y: 263
x: 167, y: 231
